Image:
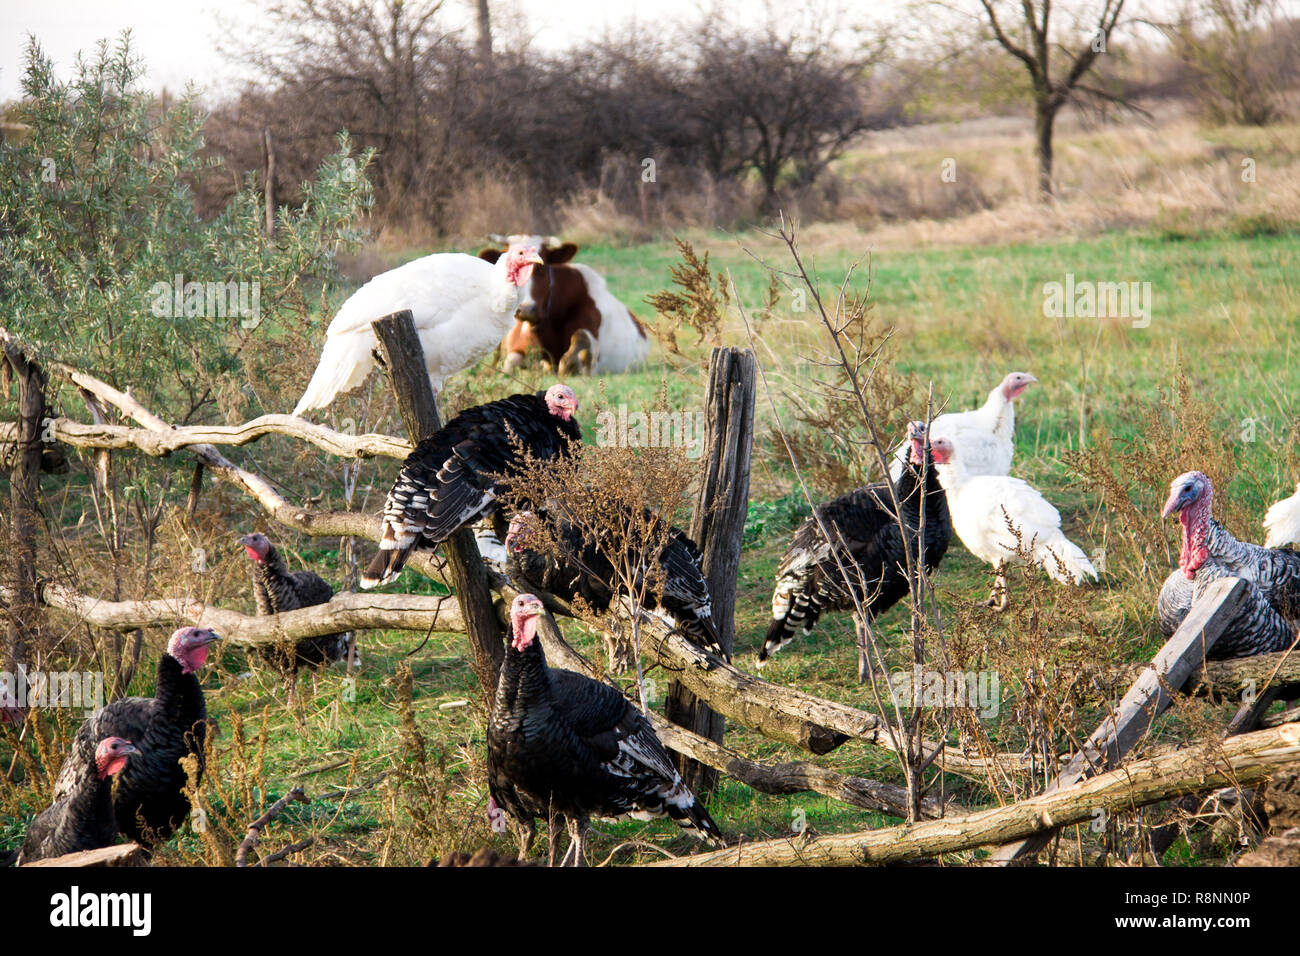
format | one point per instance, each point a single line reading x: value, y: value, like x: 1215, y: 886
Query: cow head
x: 532, y: 303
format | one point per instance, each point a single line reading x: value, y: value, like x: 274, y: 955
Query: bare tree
x: 774, y: 104
x: 1029, y: 36
x: 484, y: 19
x: 1241, y: 53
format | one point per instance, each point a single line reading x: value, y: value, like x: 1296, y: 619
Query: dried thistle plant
x: 701, y: 305
x: 622, y: 500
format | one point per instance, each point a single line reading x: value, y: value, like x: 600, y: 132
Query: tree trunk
x: 269, y: 193
x: 484, y: 31
x: 718, y: 526
x: 419, y: 410
x: 1045, y: 110
x: 24, y: 514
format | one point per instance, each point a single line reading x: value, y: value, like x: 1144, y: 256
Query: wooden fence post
x: 419, y: 410
x: 24, y: 513
x: 718, y: 527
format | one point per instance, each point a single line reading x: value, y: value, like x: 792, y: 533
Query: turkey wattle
x: 276, y: 590
x: 578, y: 567
x: 150, y: 802
x: 560, y: 742
x: 447, y: 482
x: 985, y: 434
x: 1004, y: 520
x: 811, y: 578
x: 462, y: 306
x: 82, y: 818
x: 1209, y: 553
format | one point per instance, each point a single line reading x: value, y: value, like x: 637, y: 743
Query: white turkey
x: 562, y: 743
x: 1282, y: 521
x: 575, y: 566
x: 461, y: 304
x: 82, y: 818
x: 1208, y: 553
x: 984, y: 435
x: 150, y: 801
x: 1003, y: 520
x: 448, y: 481
x: 811, y: 577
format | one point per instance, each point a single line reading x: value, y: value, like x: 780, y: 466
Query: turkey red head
x: 519, y: 261
x: 1190, y: 497
x: 561, y: 401
x: 941, y: 451
x: 189, y: 646
x: 523, y: 617
x: 111, y: 755
x: 257, y: 546
x: 916, y: 438
x: 1015, y: 383
x: 517, y: 535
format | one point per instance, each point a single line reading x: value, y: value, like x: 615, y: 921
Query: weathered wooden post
x: 24, y: 495
x: 718, y: 527
x: 419, y: 411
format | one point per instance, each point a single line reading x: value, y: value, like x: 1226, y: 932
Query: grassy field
x: 397, y: 776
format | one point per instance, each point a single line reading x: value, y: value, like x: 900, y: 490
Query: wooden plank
x: 123, y: 854
x: 419, y: 409
x: 1149, y: 696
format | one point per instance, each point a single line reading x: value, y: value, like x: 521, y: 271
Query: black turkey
x: 811, y: 578
x: 276, y: 589
x: 560, y: 742
x: 1208, y: 553
x: 576, y: 566
x: 447, y: 482
x: 82, y: 818
x: 150, y: 802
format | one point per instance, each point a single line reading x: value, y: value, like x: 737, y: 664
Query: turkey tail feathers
x: 344, y: 364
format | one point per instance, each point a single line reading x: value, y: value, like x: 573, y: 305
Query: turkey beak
x: 535, y: 259
x: 127, y: 749
x: 212, y: 638
x: 1174, y: 504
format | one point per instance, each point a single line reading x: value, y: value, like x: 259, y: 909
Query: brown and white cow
x: 570, y: 316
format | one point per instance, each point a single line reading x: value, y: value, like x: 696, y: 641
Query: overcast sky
x: 178, y: 38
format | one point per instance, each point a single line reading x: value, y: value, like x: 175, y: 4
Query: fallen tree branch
x: 348, y: 611
x: 315, y: 523
x: 1239, y: 761
x: 780, y: 713
x: 159, y: 443
x: 1149, y: 696
x: 255, y: 828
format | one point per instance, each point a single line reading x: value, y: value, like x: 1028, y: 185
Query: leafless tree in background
x: 1028, y: 34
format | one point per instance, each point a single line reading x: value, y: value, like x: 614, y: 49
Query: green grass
x: 1224, y: 313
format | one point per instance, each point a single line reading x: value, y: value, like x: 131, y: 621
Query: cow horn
x: 552, y: 242
x: 497, y: 237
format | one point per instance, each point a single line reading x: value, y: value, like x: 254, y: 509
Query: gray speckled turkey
x: 1209, y: 553
x: 276, y: 590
